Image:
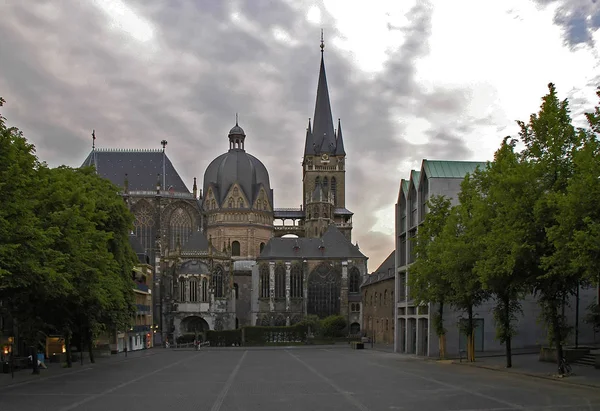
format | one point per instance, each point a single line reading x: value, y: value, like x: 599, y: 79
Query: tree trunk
x: 68, y: 349
x: 507, y: 334
x: 470, y: 339
x: 441, y: 331
x: 557, y: 338
x: 90, y: 343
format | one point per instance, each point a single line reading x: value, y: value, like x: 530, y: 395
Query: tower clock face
x: 325, y: 157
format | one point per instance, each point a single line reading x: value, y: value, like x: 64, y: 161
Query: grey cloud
x: 207, y: 68
x: 578, y: 18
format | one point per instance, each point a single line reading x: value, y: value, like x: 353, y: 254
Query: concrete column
x: 271, y: 286
x: 287, y: 286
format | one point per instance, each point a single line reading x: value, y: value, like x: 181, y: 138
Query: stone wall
x: 378, y: 310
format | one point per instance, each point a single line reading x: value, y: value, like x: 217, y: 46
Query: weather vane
x: 163, y: 144
x: 322, y: 42
x: 93, y: 139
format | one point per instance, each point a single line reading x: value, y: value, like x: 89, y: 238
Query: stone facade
x: 227, y: 225
x: 378, y: 303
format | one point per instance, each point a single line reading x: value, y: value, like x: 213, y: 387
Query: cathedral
x: 224, y: 256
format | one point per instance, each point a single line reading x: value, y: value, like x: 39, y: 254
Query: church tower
x: 323, y: 167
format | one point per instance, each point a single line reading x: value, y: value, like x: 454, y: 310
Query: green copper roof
x: 414, y: 175
x: 451, y: 169
x: 405, y: 185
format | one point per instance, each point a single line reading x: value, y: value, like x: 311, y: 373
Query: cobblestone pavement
x: 289, y: 380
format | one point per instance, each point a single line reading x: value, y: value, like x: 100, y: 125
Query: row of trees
x: 65, y: 258
x: 526, y: 224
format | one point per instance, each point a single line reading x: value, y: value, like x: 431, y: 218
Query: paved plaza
x: 286, y: 379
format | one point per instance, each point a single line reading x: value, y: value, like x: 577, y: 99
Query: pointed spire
x: 195, y: 188
x: 339, y: 142
x: 93, y: 140
x: 308, y: 144
x: 323, y: 133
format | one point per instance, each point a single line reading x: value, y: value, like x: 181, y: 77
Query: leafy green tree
x: 505, y: 208
x: 550, y: 144
x: 333, y: 326
x: 95, y: 254
x: 427, y: 280
x: 28, y: 278
x: 460, y: 248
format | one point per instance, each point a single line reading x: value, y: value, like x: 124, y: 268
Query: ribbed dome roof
x: 237, y: 166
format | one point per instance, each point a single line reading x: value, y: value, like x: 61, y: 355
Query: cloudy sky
x: 409, y: 79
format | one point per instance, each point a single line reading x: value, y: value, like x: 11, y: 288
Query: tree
x: 427, y: 280
x: 550, y: 143
x: 505, y: 207
x: 94, y: 251
x: 28, y: 278
x: 460, y: 248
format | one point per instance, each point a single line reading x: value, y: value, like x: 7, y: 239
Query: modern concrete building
x: 414, y: 333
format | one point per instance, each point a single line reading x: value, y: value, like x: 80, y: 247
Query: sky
x: 442, y: 80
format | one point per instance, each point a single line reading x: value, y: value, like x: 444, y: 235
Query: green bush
x: 333, y: 326
x: 225, y: 338
x: 273, y: 335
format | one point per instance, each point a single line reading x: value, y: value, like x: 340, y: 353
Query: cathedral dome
x: 237, y: 166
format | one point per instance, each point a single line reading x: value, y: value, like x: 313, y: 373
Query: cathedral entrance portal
x: 193, y: 324
x: 324, y: 287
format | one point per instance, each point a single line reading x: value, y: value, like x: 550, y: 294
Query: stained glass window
x: 279, y: 281
x: 218, y: 282
x: 296, y: 281
x: 144, y: 226
x: 193, y: 285
x: 334, y: 190
x: 264, y: 281
x: 324, y: 285
x: 354, y: 280
x: 204, y: 289
x: 180, y: 227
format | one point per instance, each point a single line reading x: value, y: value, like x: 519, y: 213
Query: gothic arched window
x: 324, y: 286
x: 333, y: 190
x: 182, y: 289
x: 193, y: 285
x: 354, y: 280
x: 204, y: 289
x: 180, y: 227
x: 296, y: 281
x: 279, y: 281
x: 144, y: 226
x: 230, y: 203
x: 240, y: 203
x: 235, y: 248
x: 264, y: 281
x: 325, y: 184
x: 218, y: 282
x: 262, y: 246
x: 385, y: 297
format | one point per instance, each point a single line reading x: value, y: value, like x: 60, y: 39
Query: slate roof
x: 450, y: 169
x: 384, y: 272
x: 197, y: 242
x: 323, y: 138
x: 141, y: 166
x: 137, y: 247
x: 333, y: 244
